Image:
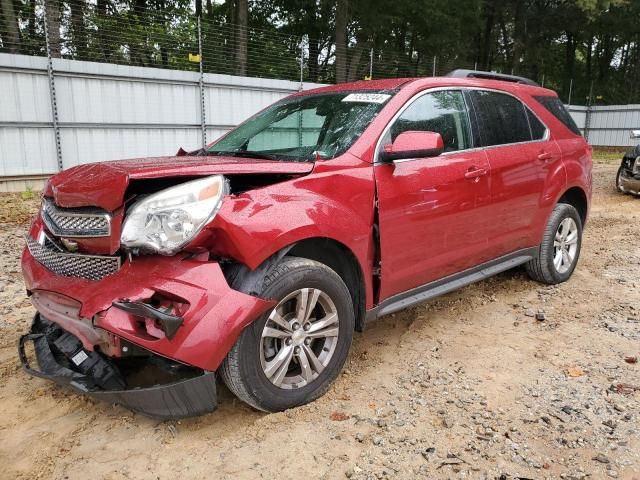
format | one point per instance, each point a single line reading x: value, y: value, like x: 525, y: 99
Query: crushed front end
x: 142, y: 330
x: 629, y: 173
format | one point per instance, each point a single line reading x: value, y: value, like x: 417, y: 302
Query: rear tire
x: 560, y: 248
x: 292, y: 353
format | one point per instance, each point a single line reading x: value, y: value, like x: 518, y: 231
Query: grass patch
x: 608, y: 155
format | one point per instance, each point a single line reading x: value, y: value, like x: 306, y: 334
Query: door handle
x: 545, y: 156
x: 474, y: 173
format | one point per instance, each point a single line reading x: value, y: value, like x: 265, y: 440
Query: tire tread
x: 539, y: 268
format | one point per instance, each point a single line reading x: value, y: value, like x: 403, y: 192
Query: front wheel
x: 560, y: 248
x: 291, y: 355
x: 619, y: 185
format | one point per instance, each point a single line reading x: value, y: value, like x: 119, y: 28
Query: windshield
x: 304, y: 128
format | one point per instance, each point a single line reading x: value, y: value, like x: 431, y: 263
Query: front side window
x: 302, y: 128
x: 444, y: 112
x: 502, y: 118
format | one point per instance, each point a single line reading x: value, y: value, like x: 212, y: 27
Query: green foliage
x: 590, y: 48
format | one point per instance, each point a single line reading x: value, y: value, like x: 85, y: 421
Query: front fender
x: 336, y: 202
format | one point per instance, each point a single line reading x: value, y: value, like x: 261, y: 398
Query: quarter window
x: 443, y: 112
x: 555, y: 106
x: 502, y: 118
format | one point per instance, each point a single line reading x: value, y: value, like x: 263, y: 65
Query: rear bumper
x: 185, y: 398
x: 213, y: 313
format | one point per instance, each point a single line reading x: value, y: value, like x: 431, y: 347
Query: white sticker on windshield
x: 366, y: 97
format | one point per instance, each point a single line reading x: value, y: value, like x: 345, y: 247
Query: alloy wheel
x: 565, y: 245
x: 299, y: 338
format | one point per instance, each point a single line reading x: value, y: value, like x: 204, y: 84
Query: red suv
x: 257, y: 257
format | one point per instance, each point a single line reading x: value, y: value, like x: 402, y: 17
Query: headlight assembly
x: 166, y: 221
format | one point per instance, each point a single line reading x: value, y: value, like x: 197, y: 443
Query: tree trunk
x: 589, y: 55
x: 242, y: 36
x: 53, y: 24
x: 138, y: 46
x: 101, y: 11
x: 342, y: 12
x: 518, y: 35
x: 31, y: 23
x: 11, y: 38
x: 569, y: 62
x: 490, y: 18
x: 79, y: 34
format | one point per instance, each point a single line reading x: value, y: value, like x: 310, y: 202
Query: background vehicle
x: 259, y: 257
x: 628, y: 176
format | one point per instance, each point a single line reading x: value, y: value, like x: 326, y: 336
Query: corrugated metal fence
x: 107, y: 111
x: 607, y: 126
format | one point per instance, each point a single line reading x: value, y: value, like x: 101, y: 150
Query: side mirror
x: 413, y: 144
x: 635, y: 133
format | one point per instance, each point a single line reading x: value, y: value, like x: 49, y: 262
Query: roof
x: 430, y: 82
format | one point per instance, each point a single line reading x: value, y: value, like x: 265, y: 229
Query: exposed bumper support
x: 185, y: 398
x: 170, y: 323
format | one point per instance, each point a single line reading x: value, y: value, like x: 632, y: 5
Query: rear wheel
x: 291, y: 355
x: 560, y: 248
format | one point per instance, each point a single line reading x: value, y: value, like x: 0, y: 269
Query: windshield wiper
x: 244, y: 154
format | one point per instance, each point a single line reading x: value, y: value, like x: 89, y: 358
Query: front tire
x: 560, y: 248
x: 619, y: 185
x: 292, y: 354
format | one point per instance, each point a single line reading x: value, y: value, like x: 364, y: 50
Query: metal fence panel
x: 108, y: 111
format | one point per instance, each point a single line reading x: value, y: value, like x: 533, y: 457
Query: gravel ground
x: 470, y: 385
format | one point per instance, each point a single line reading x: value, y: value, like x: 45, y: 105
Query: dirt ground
x: 470, y: 385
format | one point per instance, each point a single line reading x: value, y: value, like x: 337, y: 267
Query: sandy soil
x: 467, y: 386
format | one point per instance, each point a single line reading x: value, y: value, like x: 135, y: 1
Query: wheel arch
x: 343, y: 261
x: 576, y: 197
x: 327, y: 251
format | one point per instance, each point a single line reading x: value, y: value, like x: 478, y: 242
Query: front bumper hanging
x: 185, y: 398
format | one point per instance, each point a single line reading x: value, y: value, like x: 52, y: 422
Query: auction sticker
x: 367, y: 97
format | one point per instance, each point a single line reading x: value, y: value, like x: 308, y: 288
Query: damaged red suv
x: 255, y: 259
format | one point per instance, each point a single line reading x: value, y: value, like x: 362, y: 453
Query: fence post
x: 587, y: 119
x: 570, y: 91
x: 203, y: 112
x: 301, y: 63
x: 434, y: 66
x: 371, y: 64
x: 52, y: 92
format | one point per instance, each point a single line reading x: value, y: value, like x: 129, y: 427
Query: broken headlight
x: 166, y: 221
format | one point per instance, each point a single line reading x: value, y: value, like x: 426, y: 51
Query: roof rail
x: 462, y: 73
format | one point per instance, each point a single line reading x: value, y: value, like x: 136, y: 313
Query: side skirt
x: 453, y: 282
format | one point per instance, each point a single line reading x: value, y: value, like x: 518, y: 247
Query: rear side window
x: 555, y: 106
x: 502, y: 118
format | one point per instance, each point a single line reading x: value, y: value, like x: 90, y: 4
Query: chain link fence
x: 169, y: 35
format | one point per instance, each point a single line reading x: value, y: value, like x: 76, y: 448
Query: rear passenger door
x: 521, y: 157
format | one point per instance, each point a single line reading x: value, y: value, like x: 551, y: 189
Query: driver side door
x: 431, y: 209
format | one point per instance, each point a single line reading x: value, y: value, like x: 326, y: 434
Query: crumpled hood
x: 104, y: 184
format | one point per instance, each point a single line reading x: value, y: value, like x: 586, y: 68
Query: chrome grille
x: 90, y: 267
x: 76, y: 222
